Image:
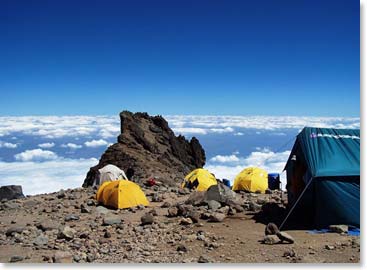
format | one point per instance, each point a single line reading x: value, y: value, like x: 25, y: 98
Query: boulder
x: 220, y: 193
x: 147, y: 148
x: 217, y: 217
x: 270, y: 239
x: 285, y: 237
x: 271, y: 229
x: 214, y: 205
x: 196, y: 198
x: 339, y: 228
x: 11, y: 192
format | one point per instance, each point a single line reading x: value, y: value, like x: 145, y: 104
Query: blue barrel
x: 274, y: 181
x: 227, y: 182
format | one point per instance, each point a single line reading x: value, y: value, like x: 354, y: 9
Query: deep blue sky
x: 180, y: 57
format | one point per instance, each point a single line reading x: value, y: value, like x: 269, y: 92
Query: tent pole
x: 294, y: 205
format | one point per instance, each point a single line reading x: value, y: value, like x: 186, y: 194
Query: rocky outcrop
x: 11, y: 192
x: 147, y: 147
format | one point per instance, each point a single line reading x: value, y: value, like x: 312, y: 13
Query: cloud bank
x: 47, y: 176
x: 106, y: 127
x: 35, y: 155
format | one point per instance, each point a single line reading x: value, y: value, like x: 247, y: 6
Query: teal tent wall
x: 332, y: 159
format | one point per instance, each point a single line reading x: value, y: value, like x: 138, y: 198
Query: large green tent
x: 323, y: 176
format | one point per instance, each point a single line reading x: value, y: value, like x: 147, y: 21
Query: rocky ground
x: 70, y: 227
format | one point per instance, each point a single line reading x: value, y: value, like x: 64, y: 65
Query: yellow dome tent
x: 199, y: 179
x: 121, y: 194
x: 251, y: 179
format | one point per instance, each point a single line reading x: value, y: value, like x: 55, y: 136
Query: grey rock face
x: 11, y: 192
x: 147, y: 147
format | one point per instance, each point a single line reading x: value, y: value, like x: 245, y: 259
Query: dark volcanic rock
x: 11, y: 192
x: 147, y: 147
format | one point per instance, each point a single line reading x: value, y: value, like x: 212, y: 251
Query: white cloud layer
x: 195, y: 124
x: 46, y: 145
x: 8, y: 145
x: 35, y: 155
x: 45, y: 177
x: 109, y: 126
x: 61, y: 126
x: 71, y: 146
x: 96, y: 143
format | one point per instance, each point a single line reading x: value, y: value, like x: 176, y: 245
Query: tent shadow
x: 276, y: 213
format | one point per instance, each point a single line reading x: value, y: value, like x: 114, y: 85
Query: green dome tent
x: 323, y: 176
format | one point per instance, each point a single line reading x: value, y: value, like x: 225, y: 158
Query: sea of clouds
x: 47, y: 153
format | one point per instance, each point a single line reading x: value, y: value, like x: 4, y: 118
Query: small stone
x: 147, y: 219
x: 289, y: 253
x: 46, y: 226
x: 194, y: 215
x: 153, y: 212
x: 157, y: 197
x: 166, y: 205
x: 214, y: 205
x: 107, y: 234
x: 61, y: 194
x: 254, y: 207
x: 111, y: 220
x: 11, y: 205
x: 261, y: 201
x: 203, y: 259
x: 76, y: 258
x: 329, y: 247
x: 16, y: 258
x: 84, y: 209
x: 172, y: 211
x: 217, y: 217
x: 285, y: 237
x: 182, y: 248
x: 12, y: 230
x: 62, y: 257
x: 339, y: 228
x: 270, y: 239
x: 40, y: 240
x: 186, y: 221
x: 66, y: 233
x: 200, y: 237
x: 90, y: 258
x: 90, y: 202
x: 102, y: 210
x: 71, y: 217
x: 223, y: 210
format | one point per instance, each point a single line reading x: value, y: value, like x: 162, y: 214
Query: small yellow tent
x: 121, y: 194
x: 251, y: 179
x: 199, y: 179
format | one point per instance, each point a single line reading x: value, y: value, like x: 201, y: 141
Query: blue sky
x: 180, y: 57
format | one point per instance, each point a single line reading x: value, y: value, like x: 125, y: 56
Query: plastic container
x: 274, y: 181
